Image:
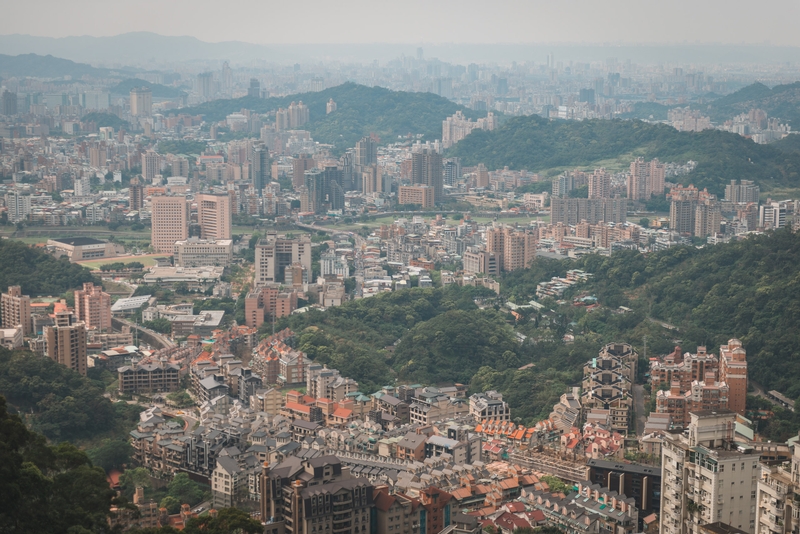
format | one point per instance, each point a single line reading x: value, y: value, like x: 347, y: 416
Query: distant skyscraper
x: 300, y: 164
x: 205, y: 85
x: 227, y: 78
x: 8, y: 103
x: 255, y: 88
x: 141, y: 102
x: 136, y: 195
x: 261, y: 168
x: 170, y: 222
x: 151, y: 165
x: 426, y: 169
x: 214, y: 216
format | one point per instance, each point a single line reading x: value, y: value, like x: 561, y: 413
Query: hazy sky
x: 416, y: 21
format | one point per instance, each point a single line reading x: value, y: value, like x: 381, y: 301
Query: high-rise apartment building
x: 371, y: 179
x: 170, y: 222
x: 514, y: 249
x: 214, y: 216
x: 65, y: 342
x: 15, y: 310
x: 706, y: 477
x: 301, y: 164
x: 592, y: 210
x: 366, y: 152
x: 330, y: 107
x: 426, y: 169
x: 275, y: 253
x: 778, y: 496
x: 742, y: 192
x: 707, y: 219
x: 322, y: 190
x: 136, y: 194
x: 8, y: 103
x: 151, y: 165
x: 141, y: 102
x: 482, y: 176
x: 733, y: 371
x: 646, y: 179
x: 599, y: 184
x: 18, y: 207
x: 261, y: 168
x: 420, y: 195
x: 93, y: 307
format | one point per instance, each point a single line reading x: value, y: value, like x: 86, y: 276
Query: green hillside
x: 360, y: 111
x: 159, y: 91
x: 535, y: 144
x: 782, y: 101
x: 37, y: 272
x: 46, y: 67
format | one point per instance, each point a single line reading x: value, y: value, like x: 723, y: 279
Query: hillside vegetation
x: 535, y: 144
x: 782, y: 101
x: 37, y: 272
x: 360, y: 111
x: 159, y: 91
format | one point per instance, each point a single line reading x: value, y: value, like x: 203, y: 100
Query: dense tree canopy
x: 37, y: 272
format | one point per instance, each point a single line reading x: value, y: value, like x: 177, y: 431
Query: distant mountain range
x: 145, y: 48
x: 46, y: 67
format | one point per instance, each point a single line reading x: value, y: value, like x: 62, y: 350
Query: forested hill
x: 360, y: 111
x: 782, y: 101
x: 534, y: 143
x: 37, y: 272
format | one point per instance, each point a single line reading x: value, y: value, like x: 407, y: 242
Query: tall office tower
x: 744, y: 191
x: 366, y: 152
x: 151, y: 165
x: 656, y: 176
x: 349, y: 180
x: 227, y: 78
x: 141, y: 102
x: 255, y: 88
x: 170, y: 222
x: 8, y: 103
x: 65, y: 342
x: 15, y: 310
x: 452, y: 171
x: 301, y: 164
x: 707, y: 476
x: 205, y: 85
x: 18, y: 206
x: 426, y: 169
x: 733, y: 371
x: 637, y: 180
x: 313, y: 197
x: 214, y: 216
x: 371, y: 179
x: 599, y: 184
x: 93, y: 307
x: 330, y: 107
x: 707, y: 219
x: 275, y: 252
x: 261, y: 168
x: 136, y: 195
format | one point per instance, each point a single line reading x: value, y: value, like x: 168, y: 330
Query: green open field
x: 148, y: 261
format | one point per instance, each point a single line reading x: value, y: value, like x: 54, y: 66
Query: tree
x: 228, y: 520
x: 184, y: 489
x: 134, y: 478
x: 644, y: 222
x: 111, y: 454
x: 182, y: 288
x: 172, y: 504
x: 555, y: 484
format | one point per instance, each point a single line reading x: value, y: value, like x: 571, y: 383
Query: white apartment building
x: 707, y: 477
x: 778, y: 497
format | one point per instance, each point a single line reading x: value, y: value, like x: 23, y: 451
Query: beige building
x: 267, y: 400
x: 93, y: 307
x: 141, y: 102
x: 66, y: 342
x: 11, y: 338
x: 15, y: 310
x: 778, y: 497
x: 82, y: 248
x: 706, y: 477
x: 196, y: 252
x: 151, y: 165
x: 149, y: 378
x: 170, y: 222
x: 214, y: 216
x: 422, y: 195
x: 275, y: 253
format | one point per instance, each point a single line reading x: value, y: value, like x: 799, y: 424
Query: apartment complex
x: 15, y: 310
x: 149, y: 378
x: 170, y: 222
x: 426, y: 169
x: 420, y: 195
x: 707, y: 477
x: 514, y: 249
x: 571, y: 211
x: 65, y: 342
x: 93, y: 307
x: 646, y: 179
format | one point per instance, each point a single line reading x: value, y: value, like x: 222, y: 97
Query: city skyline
x: 508, y: 22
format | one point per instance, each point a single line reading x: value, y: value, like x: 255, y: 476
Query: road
x: 166, y: 342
